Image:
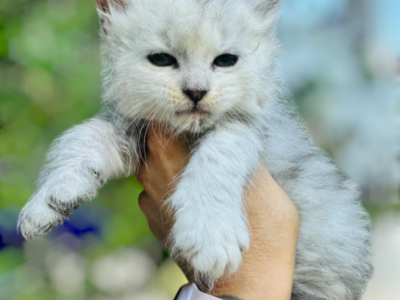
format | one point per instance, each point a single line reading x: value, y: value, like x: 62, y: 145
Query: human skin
x: 267, y: 269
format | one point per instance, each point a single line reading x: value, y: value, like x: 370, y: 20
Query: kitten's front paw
x: 213, y: 248
x: 56, y: 199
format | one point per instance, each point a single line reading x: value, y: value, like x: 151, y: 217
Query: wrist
x: 191, y: 292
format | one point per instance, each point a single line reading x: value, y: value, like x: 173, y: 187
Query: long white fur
x: 211, y: 199
x: 250, y: 120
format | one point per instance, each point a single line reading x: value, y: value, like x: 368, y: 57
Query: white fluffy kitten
x: 206, y: 67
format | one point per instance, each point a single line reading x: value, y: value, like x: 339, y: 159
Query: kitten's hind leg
x: 79, y: 163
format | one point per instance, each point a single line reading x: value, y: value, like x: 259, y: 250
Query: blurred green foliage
x: 50, y: 80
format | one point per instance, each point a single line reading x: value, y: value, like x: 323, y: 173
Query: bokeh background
x: 342, y: 61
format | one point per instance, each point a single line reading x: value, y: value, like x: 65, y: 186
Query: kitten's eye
x: 226, y: 60
x: 162, y: 60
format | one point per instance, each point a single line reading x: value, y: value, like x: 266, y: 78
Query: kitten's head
x: 189, y: 63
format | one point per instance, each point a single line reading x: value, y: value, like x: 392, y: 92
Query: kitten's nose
x: 195, y: 96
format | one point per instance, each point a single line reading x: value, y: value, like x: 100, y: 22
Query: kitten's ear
x: 106, y: 9
x: 105, y: 5
x: 268, y: 9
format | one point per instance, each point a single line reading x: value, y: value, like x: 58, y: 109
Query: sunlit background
x: 342, y: 61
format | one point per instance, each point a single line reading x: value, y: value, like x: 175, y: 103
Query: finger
x: 153, y: 180
x: 157, y: 138
x: 161, y: 142
x: 143, y: 201
x: 142, y: 173
x: 145, y: 205
x: 159, y: 223
x: 146, y: 178
x: 148, y: 205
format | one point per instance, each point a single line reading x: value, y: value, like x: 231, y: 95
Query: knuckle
x: 140, y: 176
x: 152, y: 142
x: 142, y: 200
x: 143, y: 175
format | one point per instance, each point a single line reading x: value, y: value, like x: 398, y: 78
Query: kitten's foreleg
x: 79, y: 163
x: 210, y: 230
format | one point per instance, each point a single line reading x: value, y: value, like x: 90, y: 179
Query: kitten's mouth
x: 195, y: 111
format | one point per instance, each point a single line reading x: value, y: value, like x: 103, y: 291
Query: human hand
x: 268, y: 267
x: 166, y: 158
